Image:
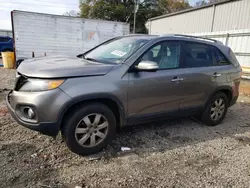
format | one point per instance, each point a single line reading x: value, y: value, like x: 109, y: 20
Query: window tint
x: 219, y: 57
x: 165, y: 54
x: 3, y: 39
x: 197, y: 55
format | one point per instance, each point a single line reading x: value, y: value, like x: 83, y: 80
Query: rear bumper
x: 233, y: 101
x: 47, y: 128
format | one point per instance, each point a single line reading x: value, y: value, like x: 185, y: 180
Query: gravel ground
x: 7, y: 78
x: 175, y: 153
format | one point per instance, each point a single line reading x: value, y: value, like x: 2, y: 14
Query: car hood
x: 62, y: 66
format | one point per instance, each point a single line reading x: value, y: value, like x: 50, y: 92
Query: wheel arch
x: 227, y: 90
x: 110, y: 101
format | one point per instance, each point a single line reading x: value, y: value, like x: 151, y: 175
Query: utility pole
x: 135, y: 11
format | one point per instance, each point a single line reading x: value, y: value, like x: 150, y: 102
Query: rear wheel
x: 89, y: 129
x: 216, y: 110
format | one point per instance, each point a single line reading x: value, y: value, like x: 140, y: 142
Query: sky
x: 192, y: 2
x: 44, y: 6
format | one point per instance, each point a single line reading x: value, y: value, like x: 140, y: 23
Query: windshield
x: 115, y: 51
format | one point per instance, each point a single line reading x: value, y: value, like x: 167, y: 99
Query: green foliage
x: 168, y: 6
x: 123, y: 10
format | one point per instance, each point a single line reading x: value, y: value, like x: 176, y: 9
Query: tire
x: 77, y: 123
x: 208, y: 116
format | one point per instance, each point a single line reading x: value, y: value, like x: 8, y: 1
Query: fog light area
x: 31, y: 113
x: 27, y: 112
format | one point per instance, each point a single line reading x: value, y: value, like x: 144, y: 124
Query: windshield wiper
x: 98, y: 61
x: 91, y: 59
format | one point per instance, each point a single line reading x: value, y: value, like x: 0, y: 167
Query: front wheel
x: 216, y: 110
x: 89, y: 129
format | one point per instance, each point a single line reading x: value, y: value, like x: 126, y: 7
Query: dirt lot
x: 176, y: 153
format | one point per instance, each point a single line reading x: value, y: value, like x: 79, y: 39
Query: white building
x: 220, y: 16
x: 227, y: 21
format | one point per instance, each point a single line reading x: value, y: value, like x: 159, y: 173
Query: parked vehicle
x: 125, y: 81
x: 6, y: 44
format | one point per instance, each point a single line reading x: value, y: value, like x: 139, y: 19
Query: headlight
x: 40, y: 85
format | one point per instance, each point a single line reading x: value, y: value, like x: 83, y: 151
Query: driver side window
x: 166, y: 54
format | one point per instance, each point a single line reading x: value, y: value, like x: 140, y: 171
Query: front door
x: 152, y: 94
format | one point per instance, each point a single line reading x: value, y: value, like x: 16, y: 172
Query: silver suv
x: 125, y: 81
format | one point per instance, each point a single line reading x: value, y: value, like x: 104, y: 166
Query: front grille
x: 20, y: 81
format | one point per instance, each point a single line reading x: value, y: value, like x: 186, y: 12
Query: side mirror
x: 147, y: 66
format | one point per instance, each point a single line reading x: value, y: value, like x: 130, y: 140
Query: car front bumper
x: 47, y: 105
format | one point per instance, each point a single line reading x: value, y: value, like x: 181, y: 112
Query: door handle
x: 215, y: 75
x: 177, y: 79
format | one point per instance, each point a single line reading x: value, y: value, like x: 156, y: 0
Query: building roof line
x: 191, y: 9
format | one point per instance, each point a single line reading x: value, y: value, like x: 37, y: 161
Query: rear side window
x: 3, y: 39
x: 219, y: 57
x: 197, y: 55
x: 233, y: 57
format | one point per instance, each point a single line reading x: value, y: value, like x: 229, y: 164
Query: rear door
x: 201, y: 73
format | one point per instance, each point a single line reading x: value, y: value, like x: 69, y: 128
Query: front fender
x: 88, y: 97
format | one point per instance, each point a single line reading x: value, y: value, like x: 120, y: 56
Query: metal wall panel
x: 53, y: 34
x: 198, y: 21
x: 233, y: 15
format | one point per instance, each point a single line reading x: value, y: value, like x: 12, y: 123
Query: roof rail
x: 197, y: 37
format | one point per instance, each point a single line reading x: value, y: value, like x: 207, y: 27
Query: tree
x: 72, y: 13
x: 205, y: 2
x: 200, y: 3
x: 123, y: 10
x: 169, y: 6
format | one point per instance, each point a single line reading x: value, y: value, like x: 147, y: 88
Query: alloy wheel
x: 91, y: 130
x: 217, y: 109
